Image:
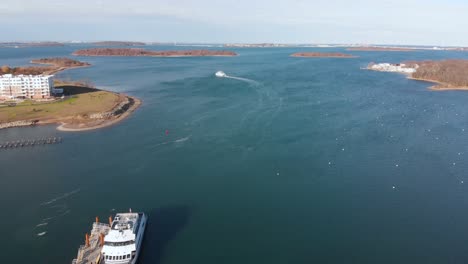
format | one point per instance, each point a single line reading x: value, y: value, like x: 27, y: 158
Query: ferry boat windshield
x: 119, y: 244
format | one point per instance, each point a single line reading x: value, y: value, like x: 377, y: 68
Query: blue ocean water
x: 300, y: 161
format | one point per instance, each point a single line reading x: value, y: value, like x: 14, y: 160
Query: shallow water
x: 310, y: 160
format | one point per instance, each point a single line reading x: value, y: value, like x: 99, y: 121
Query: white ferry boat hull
x: 140, y: 240
x: 122, y: 245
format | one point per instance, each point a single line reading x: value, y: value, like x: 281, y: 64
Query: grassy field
x: 79, y: 103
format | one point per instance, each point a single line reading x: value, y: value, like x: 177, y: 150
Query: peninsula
x: 81, y: 107
x: 322, y: 55
x: 447, y: 74
x: 129, y: 52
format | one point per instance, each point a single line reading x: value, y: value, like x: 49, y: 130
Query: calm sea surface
x: 293, y: 161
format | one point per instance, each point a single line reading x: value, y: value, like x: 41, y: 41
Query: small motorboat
x: 220, y: 74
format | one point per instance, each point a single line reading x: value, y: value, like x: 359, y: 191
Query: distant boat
x: 220, y: 74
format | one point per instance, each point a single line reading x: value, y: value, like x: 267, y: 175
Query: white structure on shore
x: 388, y: 67
x: 26, y: 86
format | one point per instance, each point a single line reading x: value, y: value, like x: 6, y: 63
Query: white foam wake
x: 42, y: 224
x: 242, y: 79
x: 63, y: 196
x: 180, y: 140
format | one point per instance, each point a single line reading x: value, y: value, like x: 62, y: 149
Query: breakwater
x: 30, y: 142
x: 18, y: 124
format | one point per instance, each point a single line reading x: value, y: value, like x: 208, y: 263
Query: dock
x: 30, y: 142
x: 90, y: 252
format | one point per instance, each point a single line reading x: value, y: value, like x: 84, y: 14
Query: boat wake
x: 61, y: 197
x: 177, y: 141
x: 41, y: 234
x: 42, y: 224
x: 45, y: 220
x: 180, y: 140
x: 221, y: 74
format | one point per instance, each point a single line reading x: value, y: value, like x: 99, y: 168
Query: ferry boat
x: 122, y: 244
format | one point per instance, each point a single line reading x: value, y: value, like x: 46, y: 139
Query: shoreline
x: 443, y: 87
x: 105, y: 123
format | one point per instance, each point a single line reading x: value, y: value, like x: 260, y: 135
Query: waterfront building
x: 26, y: 86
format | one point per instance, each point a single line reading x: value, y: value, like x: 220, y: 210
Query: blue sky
x: 418, y: 22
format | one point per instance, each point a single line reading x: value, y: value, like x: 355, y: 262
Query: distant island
x: 82, y: 107
x: 129, y: 52
x: 254, y: 45
x: 378, y: 48
x: 55, y: 65
x: 322, y: 55
x: 31, y: 44
x: 447, y: 74
x: 118, y: 43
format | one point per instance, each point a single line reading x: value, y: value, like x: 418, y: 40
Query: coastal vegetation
x: 151, y: 53
x: 322, y: 55
x: 448, y: 74
x: 60, y: 62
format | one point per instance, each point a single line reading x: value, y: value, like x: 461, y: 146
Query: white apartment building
x: 26, y: 86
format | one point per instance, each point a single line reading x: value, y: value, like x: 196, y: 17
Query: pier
x: 30, y: 142
x: 90, y: 252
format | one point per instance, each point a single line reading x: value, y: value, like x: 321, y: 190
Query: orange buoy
x: 87, y: 240
x: 101, y: 239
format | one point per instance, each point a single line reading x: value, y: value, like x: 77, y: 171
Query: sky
x: 405, y: 22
